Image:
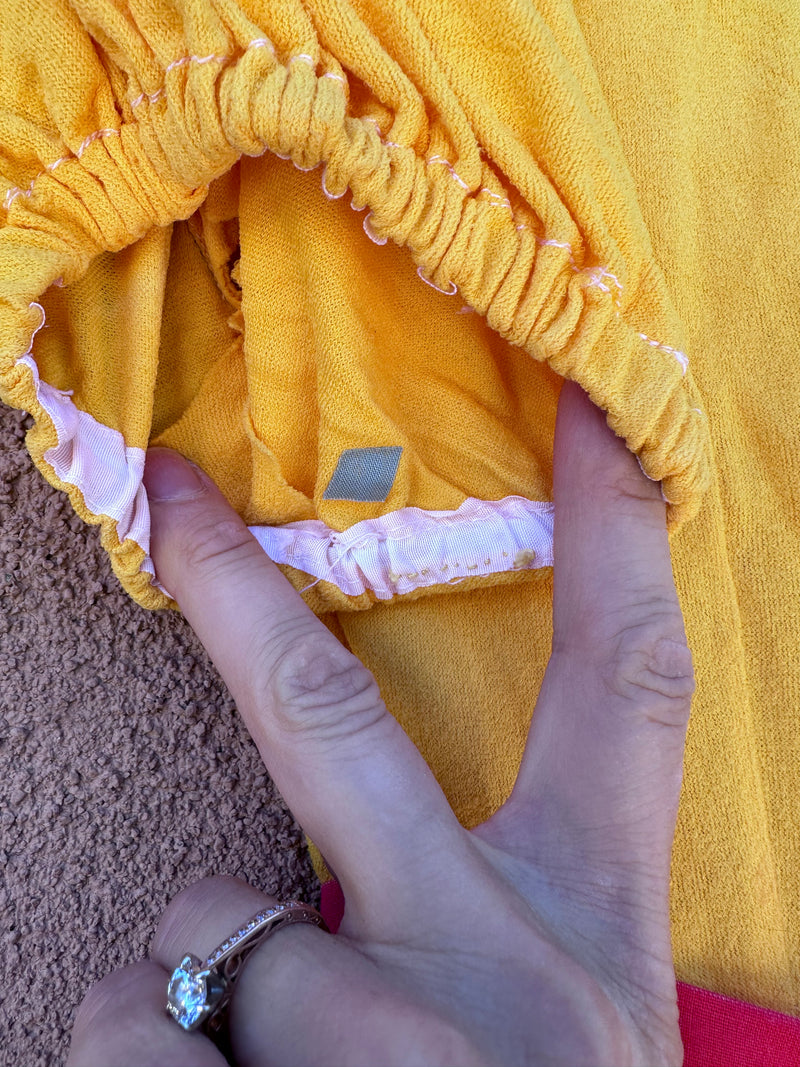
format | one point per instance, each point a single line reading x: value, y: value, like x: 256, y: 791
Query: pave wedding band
x: 198, y: 991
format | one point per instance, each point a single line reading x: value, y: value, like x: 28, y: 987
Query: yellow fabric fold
x: 266, y: 234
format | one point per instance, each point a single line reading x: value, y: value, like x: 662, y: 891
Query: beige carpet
x: 126, y: 772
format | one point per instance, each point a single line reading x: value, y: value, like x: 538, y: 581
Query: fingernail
x: 168, y: 476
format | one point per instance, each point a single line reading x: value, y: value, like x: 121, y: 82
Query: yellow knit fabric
x: 605, y: 198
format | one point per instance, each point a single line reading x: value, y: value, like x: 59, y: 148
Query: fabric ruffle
x: 129, y: 135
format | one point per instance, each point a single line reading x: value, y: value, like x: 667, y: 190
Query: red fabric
x: 332, y: 905
x: 717, y: 1031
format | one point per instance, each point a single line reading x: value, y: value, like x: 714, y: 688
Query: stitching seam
x: 595, y: 276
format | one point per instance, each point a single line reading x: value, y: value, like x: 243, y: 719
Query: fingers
x: 604, y: 754
x: 303, y: 996
x: 122, y: 1020
x: 280, y: 1009
x: 349, y: 773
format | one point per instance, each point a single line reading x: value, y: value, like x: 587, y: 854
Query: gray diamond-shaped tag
x: 364, y: 474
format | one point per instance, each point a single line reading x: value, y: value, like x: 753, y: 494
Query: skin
x: 539, y: 937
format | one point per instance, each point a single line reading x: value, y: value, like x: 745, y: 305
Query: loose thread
x: 336, y: 562
x: 33, y: 335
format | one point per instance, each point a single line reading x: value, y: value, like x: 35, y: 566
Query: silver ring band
x: 198, y: 991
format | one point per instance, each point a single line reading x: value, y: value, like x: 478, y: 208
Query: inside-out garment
x: 342, y: 254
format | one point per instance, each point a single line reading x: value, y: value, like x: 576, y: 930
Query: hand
x: 540, y: 937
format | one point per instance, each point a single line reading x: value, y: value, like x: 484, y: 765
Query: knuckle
x: 319, y: 688
x: 651, y: 664
x: 211, y: 546
x: 202, y: 894
x: 188, y: 909
x: 628, y: 487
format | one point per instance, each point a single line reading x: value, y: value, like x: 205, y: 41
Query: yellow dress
x: 342, y: 254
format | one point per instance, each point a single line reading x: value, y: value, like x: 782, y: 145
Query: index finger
x: 352, y: 777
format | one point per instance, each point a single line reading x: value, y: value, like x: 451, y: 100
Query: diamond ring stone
x: 199, y: 990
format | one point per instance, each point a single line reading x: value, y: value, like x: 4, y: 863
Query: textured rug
x: 125, y: 771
